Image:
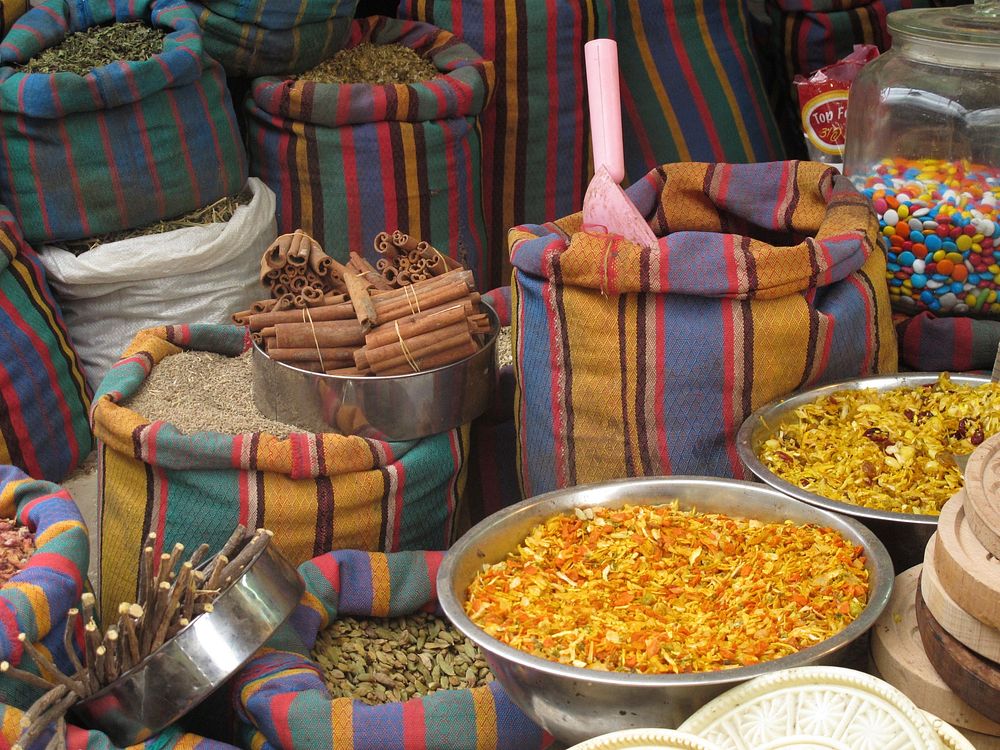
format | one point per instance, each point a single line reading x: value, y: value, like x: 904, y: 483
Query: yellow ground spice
x: 892, y: 450
x: 656, y: 589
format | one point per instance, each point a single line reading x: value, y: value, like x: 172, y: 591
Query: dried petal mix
x: 656, y: 589
x: 16, y: 547
x: 892, y: 450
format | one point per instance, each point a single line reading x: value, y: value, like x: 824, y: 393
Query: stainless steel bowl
x: 186, y: 669
x: 904, y: 534
x: 396, y: 407
x: 575, y: 704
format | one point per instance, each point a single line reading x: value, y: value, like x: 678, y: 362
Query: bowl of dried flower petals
x: 885, y: 450
x: 632, y: 603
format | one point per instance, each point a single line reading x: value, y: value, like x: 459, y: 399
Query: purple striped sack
x: 125, y: 145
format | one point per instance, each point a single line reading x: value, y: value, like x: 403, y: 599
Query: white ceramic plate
x: 820, y: 708
x: 646, y: 739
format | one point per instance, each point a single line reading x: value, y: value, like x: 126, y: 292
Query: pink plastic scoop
x: 605, y: 204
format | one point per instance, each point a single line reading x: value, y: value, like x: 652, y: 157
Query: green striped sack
x: 691, y: 88
x: 349, y: 161
x: 43, y: 394
x: 316, y: 491
x: 536, y: 137
x: 283, y: 704
x: 77, y: 151
x: 273, y: 38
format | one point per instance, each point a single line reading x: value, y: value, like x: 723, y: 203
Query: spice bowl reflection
x: 575, y: 703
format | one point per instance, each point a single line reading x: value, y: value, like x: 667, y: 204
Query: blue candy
x: 957, y: 286
x: 918, y: 280
x: 933, y: 243
x: 926, y: 296
x: 949, y: 247
x: 916, y: 236
x: 892, y: 267
x: 905, y: 258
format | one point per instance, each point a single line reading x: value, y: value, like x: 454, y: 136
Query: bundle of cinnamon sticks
x: 169, y: 598
x: 406, y: 260
x: 376, y: 327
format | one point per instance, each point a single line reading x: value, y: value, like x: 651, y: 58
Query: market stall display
x: 317, y: 490
x: 44, y: 397
x: 575, y: 702
x: 197, y: 268
x: 284, y: 703
x: 273, y: 37
x: 66, y: 175
x: 634, y: 361
x: 912, y: 447
x: 536, y: 133
x: 348, y: 160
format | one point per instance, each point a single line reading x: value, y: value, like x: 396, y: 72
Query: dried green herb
x: 82, y: 51
x: 373, y: 63
x: 221, y: 210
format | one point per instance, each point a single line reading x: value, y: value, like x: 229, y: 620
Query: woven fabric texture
x: 316, y: 491
x: 79, y: 149
x: 43, y: 394
x: 35, y: 600
x: 285, y: 705
x: 536, y: 136
x: 637, y: 361
x: 931, y: 344
x: 349, y: 161
x: 691, y: 88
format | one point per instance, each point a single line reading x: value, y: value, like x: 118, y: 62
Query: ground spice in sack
x: 373, y: 63
x: 82, y: 51
x: 204, y: 391
x: 382, y: 660
x: 218, y: 212
x: 505, y: 355
x: 16, y: 547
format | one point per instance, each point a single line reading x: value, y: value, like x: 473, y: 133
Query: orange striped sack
x: 317, y: 492
x: 635, y: 361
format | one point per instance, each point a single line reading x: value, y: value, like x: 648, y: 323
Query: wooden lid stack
x: 939, y: 639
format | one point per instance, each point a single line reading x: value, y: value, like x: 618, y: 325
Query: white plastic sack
x: 194, y: 275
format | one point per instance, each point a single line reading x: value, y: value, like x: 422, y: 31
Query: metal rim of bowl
x: 772, y: 414
x: 490, y: 343
x: 877, y: 600
x: 94, y: 697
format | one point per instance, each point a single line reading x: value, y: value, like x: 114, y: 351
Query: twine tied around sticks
x: 407, y: 291
x: 319, y: 352
x: 406, y: 350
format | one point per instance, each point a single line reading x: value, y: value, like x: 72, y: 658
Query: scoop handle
x: 601, y: 56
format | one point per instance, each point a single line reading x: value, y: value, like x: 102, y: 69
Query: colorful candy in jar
x: 939, y: 224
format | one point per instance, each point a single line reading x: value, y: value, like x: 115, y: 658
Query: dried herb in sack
x: 82, y: 51
x: 373, y: 64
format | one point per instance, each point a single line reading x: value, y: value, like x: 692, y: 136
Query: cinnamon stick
x: 329, y: 356
x: 319, y: 314
x: 404, y: 241
x: 437, y: 360
x: 364, y: 307
x: 323, y: 334
x: 417, y: 348
x: 408, y: 328
x: 370, y: 274
x: 420, y: 299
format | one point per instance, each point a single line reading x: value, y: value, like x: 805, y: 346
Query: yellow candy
x: 939, y: 256
x: 954, y: 257
x: 993, y: 268
x: 979, y: 237
x: 996, y: 278
x: 970, y: 299
x: 992, y: 296
x: 888, y: 231
x: 977, y: 248
x: 903, y: 211
x: 964, y: 242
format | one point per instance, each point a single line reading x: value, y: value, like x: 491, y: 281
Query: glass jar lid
x: 977, y: 24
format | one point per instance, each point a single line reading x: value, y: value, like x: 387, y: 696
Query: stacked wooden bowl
x: 939, y: 639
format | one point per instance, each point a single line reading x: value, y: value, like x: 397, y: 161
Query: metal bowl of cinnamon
x: 395, y: 407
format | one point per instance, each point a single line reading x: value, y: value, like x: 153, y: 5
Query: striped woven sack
x: 691, y: 88
x: 78, y: 150
x: 930, y: 344
x: 493, y: 458
x: 536, y: 137
x: 349, y: 161
x: 172, y: 738
x: 43, y: 395
x: 36, y: 600
x: 247, y: 48
x: 316, y: 491
x: 637, y: 362
x: 284, y: 704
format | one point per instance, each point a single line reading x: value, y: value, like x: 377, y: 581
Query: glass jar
x: 923, y: 142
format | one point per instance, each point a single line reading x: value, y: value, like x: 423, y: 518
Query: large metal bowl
x: 394, y: 407
x: 904, y: 534
x: 185, y: 670
x: 575, y: 704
